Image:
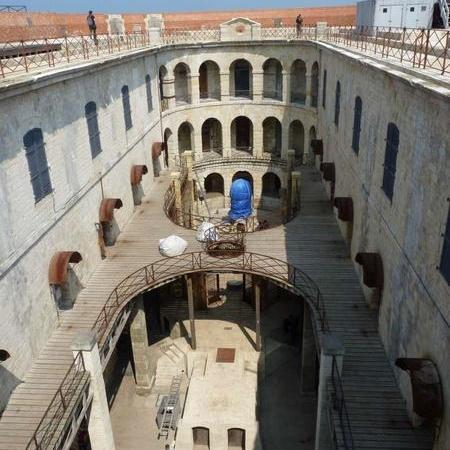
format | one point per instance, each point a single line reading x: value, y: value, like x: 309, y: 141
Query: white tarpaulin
x: 172, y: 246
x: 203, y: 232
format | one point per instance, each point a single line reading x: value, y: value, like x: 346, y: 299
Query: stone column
x: 257, y: 291
x: 226, y: 139
x: 258, y: 140
x: 258, y: 84
x: 190, y: 295
x: 289, y: 168
x: 99, y: 426
x: 331, y: 347
x: 284, y: 141
x: 195, y: 89
x: 225, y: 86
x: 188, y: 159
x: 308, y: 372
x: 169, y: 91
x: 139, y: 344
x: 308, y: 91
x: 286, y: 86
x: 197, y: 143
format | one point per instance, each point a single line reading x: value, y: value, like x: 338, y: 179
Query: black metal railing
x: 346, y: 440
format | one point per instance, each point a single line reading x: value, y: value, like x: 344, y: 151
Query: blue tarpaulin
x: 241, y: 199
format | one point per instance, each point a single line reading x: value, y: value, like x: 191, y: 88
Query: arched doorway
x: 242, y: 134
x: 273, y: 79
x: 272, y: 136
x: 241, y: 83
x: 182, y: 88
x: 236, y: 439
x: 212, y: 136
x: 214, y: 184
x: 297, y: 138
x: 209, y: 81
x: 185, y: 137
x: 271, y: 185
x: 298, y: 82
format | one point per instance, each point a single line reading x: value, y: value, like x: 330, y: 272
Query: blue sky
x: 115, y: 6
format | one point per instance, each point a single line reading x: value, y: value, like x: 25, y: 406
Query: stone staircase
x: 170, y: 364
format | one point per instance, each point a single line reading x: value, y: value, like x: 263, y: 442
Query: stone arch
x: 245, y: 175
x: 271, y: 185
x: 241, y: 79
x: 298, y: 82
x: 214, y: 183
x: 273, y: 79
x: 168, y: 141
x: 209, y: 80
x: 314, y: 84
x: 185, y: 137
x: 242, y: 134
x: 162, y: 75
x: 159, y: 273
x: 297, y: 138
x: 212, y: 140
x: 182, y: 75
x: 272, y: 141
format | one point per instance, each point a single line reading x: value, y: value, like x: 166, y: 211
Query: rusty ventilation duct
x: 329, y: 171
x: 344, y: 206
x: 136, y: 174
x: 372, y: 266
x: 107, y: 207
x: 57, y: 271
x: 158, y: 148
x: 426, y: 386
x: 317, y: 146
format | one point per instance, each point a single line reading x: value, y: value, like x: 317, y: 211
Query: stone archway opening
x: 297, y: 138
x: 209, y: 81
x: 298, y: 82
x: 241, y: 79
x: 185, y: 137
x: 314, y: 84
x: 182, y: 86
x: 212, y: 136
x: 242, y: 135
x: 273, y: 80
x: 272, y: 136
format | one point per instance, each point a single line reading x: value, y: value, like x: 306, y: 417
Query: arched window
x: 357, y: 124
x: 212, y: 136
x: 185, y: 132
x: 181, y: 81
x: 324, y: 89
x: 126, y: 107
x: 444, y: 266
x: 200, y: 436
x: 241, y: 79
x: 236, y: 439
x: 90, y: 111
x: 271, y: 185
x: 298, y: 82
x: 209, y: 80
x: 337, y: 104
x: 390, y: 160
x: 272, y: 136
x: 214, y: 183
x: 148, y: 89
x: 37, y: 163
x: 273, y: 79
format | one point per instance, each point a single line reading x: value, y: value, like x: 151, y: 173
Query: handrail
x: 226, y: 240
x: 341, y: 408
x: 167, y: 269
x: 61, y: 401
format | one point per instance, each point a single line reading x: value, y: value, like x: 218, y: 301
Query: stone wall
x: 65, y: 219
x: 407, y: 232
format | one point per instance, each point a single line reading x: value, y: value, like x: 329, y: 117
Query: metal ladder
x: 170, y: 407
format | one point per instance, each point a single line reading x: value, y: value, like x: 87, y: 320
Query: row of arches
x: 271, y: 184
x: 241, y: 81
x: 242, y: 136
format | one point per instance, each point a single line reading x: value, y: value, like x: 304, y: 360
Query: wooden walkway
x: 311, y: 242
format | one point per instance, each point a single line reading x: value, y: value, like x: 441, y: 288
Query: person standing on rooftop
x: 299, y: 24
x: 92, y: 26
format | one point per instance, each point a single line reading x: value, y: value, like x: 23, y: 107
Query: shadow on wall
x: 7, y: 386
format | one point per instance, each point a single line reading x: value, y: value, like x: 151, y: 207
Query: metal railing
x: 226, y: 240
x: 167, y: 269
x: 338, y: 405
x: 68, y: 392
x: 26, y: 56
x: 422, y: 48
x: 186, y: 35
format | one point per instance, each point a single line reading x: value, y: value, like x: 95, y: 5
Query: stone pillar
x: 188, y: 159
x: 195, y: 89
x: 257, y: 291
x: 197, y: 143
x: 226, y: 139
x: 331, y: 346
x: 308, y: 91
x: 225, y: 86
x: 258, y: 84
x: 308, y: 372
x: 190, y: 295
x: 295, y: 191
x: 169, y: 91
x: 99, y: 426
x: 139, y: 344
x: 258, y: 140
x: 289, y: 168
x: 290, y: 161
x: 286, y: 86
x: 284, y: 141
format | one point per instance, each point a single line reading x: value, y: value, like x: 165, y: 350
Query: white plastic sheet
x: 203, y: 234
x: 172, y: 246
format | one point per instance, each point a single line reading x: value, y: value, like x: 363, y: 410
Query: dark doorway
x: 242, y: 73
x: 236, y: 439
